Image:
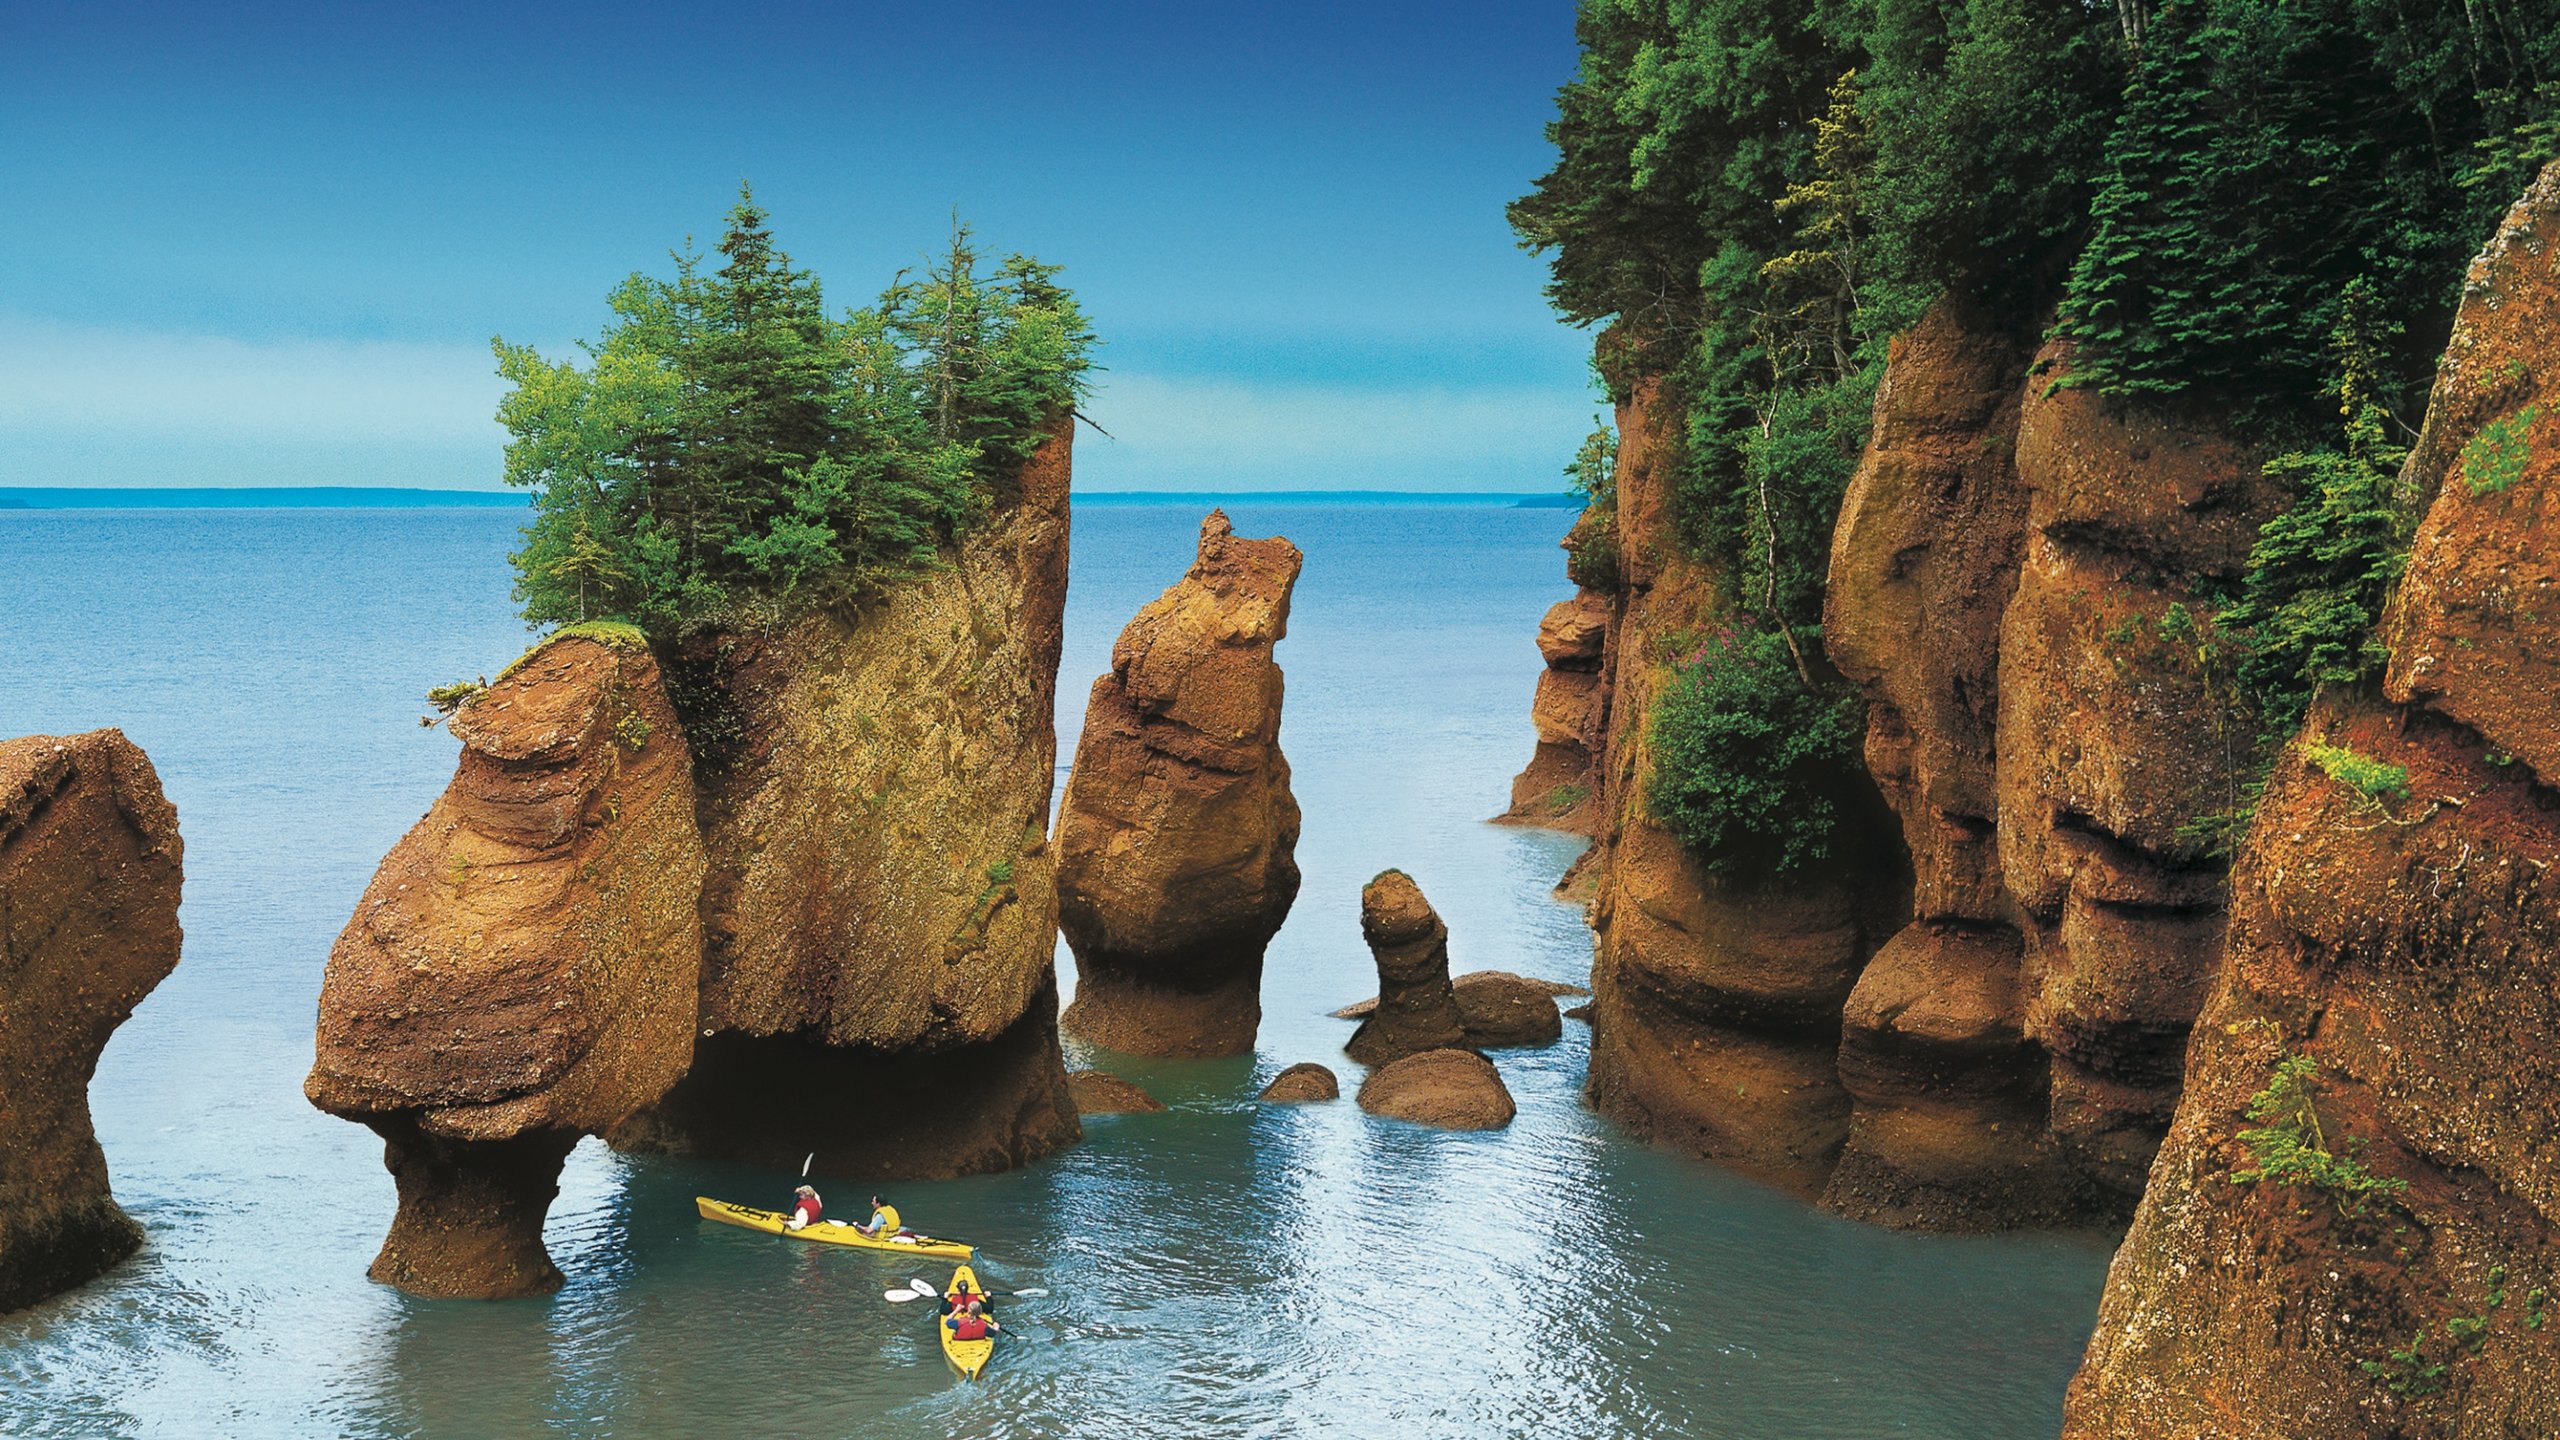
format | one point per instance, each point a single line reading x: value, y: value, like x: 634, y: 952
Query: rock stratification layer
x: 1177, y: 836
x: 90, y: 867
x: 2396, y: 934
x: 522, y: 969
x: 880, y: 910
x: 1416, y: 1008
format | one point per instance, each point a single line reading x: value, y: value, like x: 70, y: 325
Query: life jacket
x: 965, y: 1326
x: 807, y: 1209
x: 887, y: 1217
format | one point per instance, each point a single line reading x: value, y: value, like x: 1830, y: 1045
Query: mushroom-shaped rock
x: 1500, y: 1009
x: 1176, y: 838
x: 1301, y: 1083
x: 89, y: 875
x: 522, y: 969
x: 1416, y: 1009
x: 1449, y: 1089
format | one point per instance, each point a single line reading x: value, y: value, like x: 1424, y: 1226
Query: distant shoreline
x: 384, y: 497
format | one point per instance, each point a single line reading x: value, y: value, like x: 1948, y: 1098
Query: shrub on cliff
x: 731, y: 451
x: 1748, y: 758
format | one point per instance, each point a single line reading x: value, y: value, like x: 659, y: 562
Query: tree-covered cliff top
x: 730, y: 452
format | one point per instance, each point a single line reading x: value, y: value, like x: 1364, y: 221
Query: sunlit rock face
x: 880, y: 904
x: 90, y: 865
x: 2403, y: 943
x: 522, y: 969
x: 1178, y: 834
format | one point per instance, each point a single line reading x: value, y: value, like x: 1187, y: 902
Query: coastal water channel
x: 1224, y: 1269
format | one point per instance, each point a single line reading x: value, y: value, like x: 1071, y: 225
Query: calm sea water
x: 1221, y: 1270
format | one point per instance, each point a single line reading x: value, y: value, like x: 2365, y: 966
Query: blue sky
x: 268, y: 245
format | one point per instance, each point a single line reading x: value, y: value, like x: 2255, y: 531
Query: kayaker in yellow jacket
x: 884, y: 1221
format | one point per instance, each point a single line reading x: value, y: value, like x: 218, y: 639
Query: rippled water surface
x: 1223, y: 1269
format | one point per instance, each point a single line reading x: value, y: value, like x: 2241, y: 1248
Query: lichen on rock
x: 1177, y: 837
x: 90, y: 869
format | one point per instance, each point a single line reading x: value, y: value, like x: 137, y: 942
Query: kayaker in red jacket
x: 805, y: 1209
x: 972, y: 1323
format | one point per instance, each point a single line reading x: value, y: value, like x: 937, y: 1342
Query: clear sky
x: 267, y: 244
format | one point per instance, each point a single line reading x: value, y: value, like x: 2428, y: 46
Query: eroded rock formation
x: 880, y: 906
x: 1561, y: 787
x: 794, y: 893
x: 1177, y: 835
x: 1445, y: 1089
x: 522, y: 969
x: 1499, y: 1009
x: 1716, y: 1006
x: 1416, y: 1008
x: 2399, y: 936
x: 90, y: 867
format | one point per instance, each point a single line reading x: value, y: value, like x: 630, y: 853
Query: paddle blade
x: 1029, y: 1294
x: 926, y: 1289
x: 899, y: 1297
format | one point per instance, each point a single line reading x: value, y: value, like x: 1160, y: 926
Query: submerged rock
x: 1447, y: 1089
x: 522, y: 969
x: 1416, y: 1009
x: 1501, y: 1010
x: 1098, y: 1092
x: 1177, y: 834
x: 1301, y: 1083
x: 90, y: 865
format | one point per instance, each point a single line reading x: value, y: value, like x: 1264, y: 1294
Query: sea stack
x: 89, y: 875
x: 1417, y: 1009
x: 1176, y: 839
x: 522, y: 969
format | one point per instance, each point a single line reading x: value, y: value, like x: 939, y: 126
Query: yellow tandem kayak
x: 966, y: 1356
x: 829, y: 1232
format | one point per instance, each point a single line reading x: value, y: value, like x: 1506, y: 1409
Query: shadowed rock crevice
x: 90, y: 868
x: 1176, y: 839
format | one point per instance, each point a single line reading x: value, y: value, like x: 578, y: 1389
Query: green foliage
x: 633, y: 730
x: 1564, y: 797
x: 730, y: 452
x: 2288, y: 1146
x: 2374, y: 780
x: 1748, y: 758
x: 448, y: 698
x: 2496, y: 457
x: 2407, y: 1371
x: 2320, y: 572
x: 2270, y: 151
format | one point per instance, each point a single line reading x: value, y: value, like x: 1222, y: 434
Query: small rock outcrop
x: 1177, y: 835
x: 1302, y: 1083
x: 90, y: 867
x: 2392, y: 925
x: 1560, y: 789
x: 1500, y: 1010
x: 1098, y: 1092
x: 522, y: 969
x: 1417, y: 1009
x: 1446, y: 1089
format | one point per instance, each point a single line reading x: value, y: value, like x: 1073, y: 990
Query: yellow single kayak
x: 966, y: 1356
x: 829, y: 1232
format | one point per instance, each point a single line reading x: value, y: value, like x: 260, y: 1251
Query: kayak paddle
x: 919, y: 1290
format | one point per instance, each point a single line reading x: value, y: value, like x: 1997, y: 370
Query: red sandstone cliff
x: 1716, y: 1006
x: 2403, y: 943
x: 1177, y: 836
x: 89, y: 876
